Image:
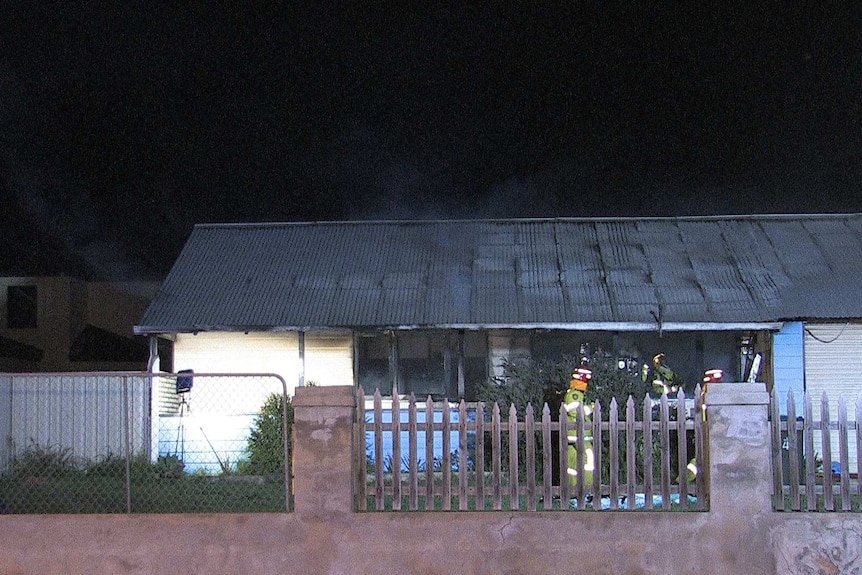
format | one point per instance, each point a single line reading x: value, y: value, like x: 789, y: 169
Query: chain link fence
x: 125, y: 442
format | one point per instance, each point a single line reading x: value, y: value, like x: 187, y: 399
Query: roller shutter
x: 833, y: 364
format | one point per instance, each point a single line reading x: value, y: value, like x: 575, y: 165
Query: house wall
x: 833, y: 365
x: 739, y: 534
x: 236, y: 352
x: 328, y: 356
x: 788, y: 364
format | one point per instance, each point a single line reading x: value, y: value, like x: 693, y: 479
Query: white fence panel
x: 81, y: 414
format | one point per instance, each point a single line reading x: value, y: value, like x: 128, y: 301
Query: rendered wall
x: 740, y: 534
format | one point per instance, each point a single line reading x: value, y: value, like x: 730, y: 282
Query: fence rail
x: 478, y: 458
x: 806, y: 474
x: 129, y: 442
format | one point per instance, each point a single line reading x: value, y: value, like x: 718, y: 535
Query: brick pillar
x: 740, y: 457
x: 323, y: 450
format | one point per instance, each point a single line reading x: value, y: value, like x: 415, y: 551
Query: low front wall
x: 429, y: 543
x: 738, y: 535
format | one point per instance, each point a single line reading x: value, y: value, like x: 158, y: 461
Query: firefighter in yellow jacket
x: 573, y: 398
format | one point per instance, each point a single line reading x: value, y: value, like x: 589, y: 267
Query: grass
x: 80, y: 493
x: 820, y: 504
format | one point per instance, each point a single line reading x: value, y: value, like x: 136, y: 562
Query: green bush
x: 546, y: 380
x: 266, y: 441
x: 543, y: 381
x: 44, y: 461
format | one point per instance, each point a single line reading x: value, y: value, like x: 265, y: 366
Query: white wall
x: 328, y: 356
x: 833, y: 364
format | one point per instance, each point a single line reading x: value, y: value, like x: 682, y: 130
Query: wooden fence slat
x: 429, y: 454
x: 613, y: 453
x: 530, y: 464
x: 414, y: 454
x: 647, y: 435
x: 563, y: 446
x: 631, y: 442
x: 595, y: 490
x: 496, y: 459
x: 463, y: 473
x: 580, y: 427
x: 793, y: 453
x: 664, y: 441
x: 513, y: 457
x: 826, y: 445
x: 380, y: 501
x: 682, y: 456
x: 777, y: 451
x: 446, y: 468
x: 362, y: 480
x: 396, y: 454
x: 810, y: 465
x: 480, y: 456
x: 700, y: 435
x: 843, y: 455
x: 547, y: 465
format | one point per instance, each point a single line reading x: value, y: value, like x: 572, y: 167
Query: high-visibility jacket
x: 571, y: 401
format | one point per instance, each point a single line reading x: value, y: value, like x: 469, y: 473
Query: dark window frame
x: 22, y: 307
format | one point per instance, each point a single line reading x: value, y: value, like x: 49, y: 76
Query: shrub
x: 266, y: 441
x: 44, y: 461
x: 538, y: 381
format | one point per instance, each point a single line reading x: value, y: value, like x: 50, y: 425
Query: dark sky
x: 121, y: 127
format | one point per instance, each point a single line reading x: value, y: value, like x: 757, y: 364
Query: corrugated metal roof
x: 519, y: 273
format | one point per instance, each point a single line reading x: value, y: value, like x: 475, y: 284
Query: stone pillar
x: 323, y: 450
x: 740, y: 458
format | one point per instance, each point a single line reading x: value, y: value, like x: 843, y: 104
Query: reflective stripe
x: 692, y: 468
x: 572, y: 406
x: 590, y: 463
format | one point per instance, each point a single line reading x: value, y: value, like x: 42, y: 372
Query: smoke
x: 44, y: 193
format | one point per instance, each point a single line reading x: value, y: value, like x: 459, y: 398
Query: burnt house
x: 433, y: 307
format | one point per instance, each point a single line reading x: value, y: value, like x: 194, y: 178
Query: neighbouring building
x: 60, y: 323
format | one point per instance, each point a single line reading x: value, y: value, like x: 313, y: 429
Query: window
x: 428, y: 363
x: 21, y: 308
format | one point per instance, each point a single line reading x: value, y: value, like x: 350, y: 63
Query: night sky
x: 120, y: 128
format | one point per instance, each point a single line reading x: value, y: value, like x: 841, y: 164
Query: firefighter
x: 574, y: 398
x: 713, y: 375
x: 665, y: 380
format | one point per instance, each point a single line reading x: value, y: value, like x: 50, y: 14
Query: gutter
x: 571, y: 326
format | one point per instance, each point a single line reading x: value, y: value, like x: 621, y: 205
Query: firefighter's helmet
x: 581, y: 378
x: 712, y: 376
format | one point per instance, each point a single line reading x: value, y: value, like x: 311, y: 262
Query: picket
x: 509, y: 464
x: 808, y: 469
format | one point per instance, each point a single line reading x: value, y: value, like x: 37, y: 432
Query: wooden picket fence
x: 802, y: 452
x: 488, y: 462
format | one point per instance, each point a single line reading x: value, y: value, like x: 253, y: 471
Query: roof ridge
x: 566, y: 219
